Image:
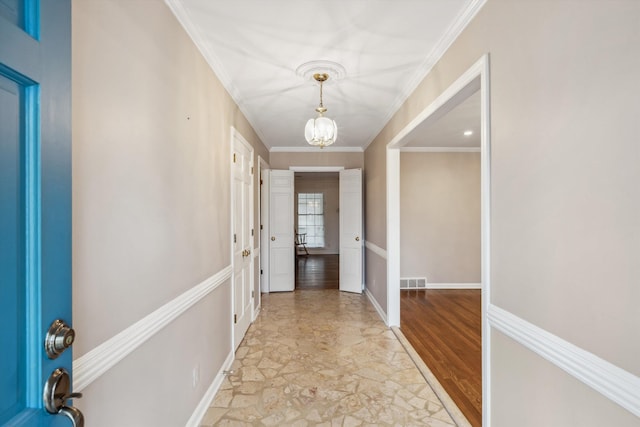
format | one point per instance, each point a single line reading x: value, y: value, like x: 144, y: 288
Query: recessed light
x: 468, y: 132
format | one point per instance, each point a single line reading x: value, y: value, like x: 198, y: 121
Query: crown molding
x: 440, y: 149
x: 316, y: 149
x: 214, y: 62
x: 316, y: 168
x: 455, y: 29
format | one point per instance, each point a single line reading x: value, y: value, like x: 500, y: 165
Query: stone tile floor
x: 323, y: 358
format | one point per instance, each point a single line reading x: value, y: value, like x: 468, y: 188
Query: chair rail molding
x: 615, y: 383
x: 376, y: 249
x: 88, y: 367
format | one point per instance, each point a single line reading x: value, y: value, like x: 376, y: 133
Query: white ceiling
x: 385, y: 46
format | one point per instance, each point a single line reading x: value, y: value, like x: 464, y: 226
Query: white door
x: 242, y: 241
x: 351, y: 241
x: 281, y: 247
x: 264, y: 230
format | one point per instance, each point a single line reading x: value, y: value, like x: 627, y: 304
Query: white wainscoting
x: 201, y: 409
x: 96, y: 362
x: 620, y: 386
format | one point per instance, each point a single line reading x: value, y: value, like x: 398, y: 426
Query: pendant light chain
x: 321, y: 131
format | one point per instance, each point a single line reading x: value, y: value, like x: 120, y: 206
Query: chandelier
x: 321, y: 131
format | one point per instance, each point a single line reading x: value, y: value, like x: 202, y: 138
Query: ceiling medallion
x: 333, y: 69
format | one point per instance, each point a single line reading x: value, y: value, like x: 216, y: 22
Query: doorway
x: 317, y: 228
x: 347, y: 237
x: 476, y: 79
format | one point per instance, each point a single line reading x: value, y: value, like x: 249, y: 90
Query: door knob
x: 273, y: 238
x: 57, y: 390
x: 357, y: 239
x: 59, y: 338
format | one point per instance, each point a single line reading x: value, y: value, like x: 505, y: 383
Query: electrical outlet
x: 196, y: 375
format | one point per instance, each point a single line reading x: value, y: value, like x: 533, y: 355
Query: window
x: 311, y: 218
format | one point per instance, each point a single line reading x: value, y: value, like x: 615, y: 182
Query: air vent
x: 413, y: 283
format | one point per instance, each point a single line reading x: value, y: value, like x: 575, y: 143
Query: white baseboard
x: 375, y: 304
x: 620, y: 386
x: 205, y: 402
x: 453, y: 286
x: 88, y: 367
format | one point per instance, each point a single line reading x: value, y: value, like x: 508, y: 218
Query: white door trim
x: 263, y: 177
x: 316, y: 168
x: 480, y: 71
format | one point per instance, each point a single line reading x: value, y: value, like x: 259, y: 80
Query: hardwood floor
x: 444, y: 327
x: 318, y: 272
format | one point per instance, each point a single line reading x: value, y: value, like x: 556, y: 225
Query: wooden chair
x: 301, y: 242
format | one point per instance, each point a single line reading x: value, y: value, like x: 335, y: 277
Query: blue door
x: 35, y: 210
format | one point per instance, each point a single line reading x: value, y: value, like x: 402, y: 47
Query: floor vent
x: 413, y: 283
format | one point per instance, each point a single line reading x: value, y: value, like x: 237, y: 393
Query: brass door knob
x: 273, y: 238
x: 357, y: 239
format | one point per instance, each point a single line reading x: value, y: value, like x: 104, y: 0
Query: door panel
x: 35, y: 199
x: 351, y: 237
x: 281, y: 250
x: 12, y: 243
x: 13, y: 11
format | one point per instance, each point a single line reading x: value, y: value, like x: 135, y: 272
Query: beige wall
x: 320, y: 157
x: 564, y: 195
x: 151, y: 206
x: 330, y: 187
x: 440, y: 217
x: 375, y: 199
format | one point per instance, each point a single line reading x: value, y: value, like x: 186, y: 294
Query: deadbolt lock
x: 59, y: 337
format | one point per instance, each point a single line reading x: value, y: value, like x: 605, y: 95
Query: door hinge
x: 260, y: 181
x: 253, y: 294
x: 251, y: 170
x: 252, y: 231
x: 235, y: 318
x: 234, y: 157
x: 234, y: 238
x: 260, y: 271
x: 260, y: 226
